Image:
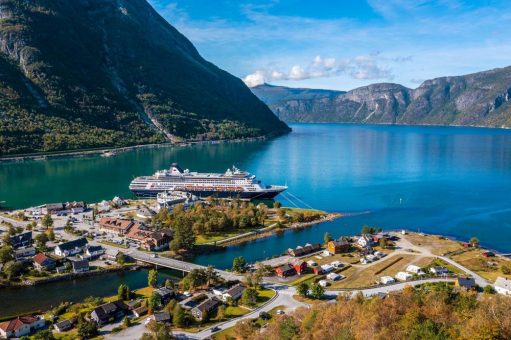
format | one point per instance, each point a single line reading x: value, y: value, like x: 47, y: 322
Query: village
x: 68, y: 240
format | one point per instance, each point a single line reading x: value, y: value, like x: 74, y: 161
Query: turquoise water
x: 453, y: 181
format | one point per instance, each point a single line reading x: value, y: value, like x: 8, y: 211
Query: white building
x: 333, y: 276
x: 326, y: 268
x: 371, y: 258
x: 323, y: 283
x: 364, y: 241
x: 503, y: 286
x: 21, y: 326
x: 415, y: 270
x: 402, y: 276
x: 438, y: 270
x: 387, y: 279
x: 337, y: 264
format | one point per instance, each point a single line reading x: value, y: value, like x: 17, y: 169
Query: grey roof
x: 109, y: 309
x: 80, y: 264
x: 236, y: 290
x: 161, y: 316
x: 503, y: 282
x: 164, y: 292
x: 21, y: 240
x: 63, y: 325
x: 94, y: 248
x: 78, y: 243
x: 208, y: 305
x: 466, y: 282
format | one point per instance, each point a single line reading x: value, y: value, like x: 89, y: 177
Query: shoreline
x: 112, y: 151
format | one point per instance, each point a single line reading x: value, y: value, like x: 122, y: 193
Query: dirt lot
x: 438, y: 245
x: 489, y: 268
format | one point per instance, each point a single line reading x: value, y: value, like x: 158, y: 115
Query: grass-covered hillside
x: 92, y: 73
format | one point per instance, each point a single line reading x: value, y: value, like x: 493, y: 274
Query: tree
x: 474, y: 242
x: 184, y: 237
x: 317, y: 291
x: 154, y: 301
x: 239, y: 264
x: 13, y: 269
x: 126, y: 322
x: 327, y: 238
x: 211, y: 275
x: 169, y: 283
x: 87, y: 329
x: 178, y: 316
x: 220, y: 314
x: 383, y: 242
x: 249, y: 297
x: 195, y: 278
x: 41, y: 240
x: 51, y: 234
x: 277, y: 204
x: 44, y: 335
x: 6, y: 254
x: 123, y: 292
x: 367, y: 230
x: 120, y: 258
x: 152, y: 278
x: 47, y: 221
x: 488, y: 289
x: 505, y: 269
x: 6, y: 239
x: 302, y: 289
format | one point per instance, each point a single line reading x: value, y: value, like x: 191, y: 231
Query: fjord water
x: 447, y: 180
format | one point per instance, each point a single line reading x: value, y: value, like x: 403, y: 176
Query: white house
x: 337, y: 264
x: 414, y: 270
x: 438, y: 270
x: 21, y: 326
x: 387, y: 279
x: 402, y: 276
x: 94, y: 251
x: 364, y: 241
x: 234, y: 293
x: 326, y: 268
x: 219, y: 291
x: 503, y: 286
x: 70, y: 248
x: 333, y: 276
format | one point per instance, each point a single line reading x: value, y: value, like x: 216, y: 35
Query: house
x: 337, y: 264
x: 165, y: 294
x: 326, y: 268
x: 21, y: 326
x: 23, y: 253
x: 109, y: 312
x: 145, y: 213
x: 385, y: 280
x: 80, y: 266
x: 43, y: 262
x: 163, y: 317
x: 465, y: 282
x: 52, y: 208
x: 298, y: 251
x: 438, y: 270
x: 300, y: 267
x: 94, y: 251
x: 234, y: 293
x: 285, y: 270
x: 415, y: 270
x: 503, y: 286
x: 117, y: 226
x: 118, y: 201
x: 142, y: 310
x: 70, y: 248
x: 111, y: 254
x: 311, y: 248
x: 149, y: 239
x: 63, y: 326
x: 22, y: 240
x: 75, y: 207
x: 207, y: 306
x: 219, y: 291
x: 489, y: 254
x: 333, y: 276
x: 378, y: 237
x: 403, y: 276
x: 365, y: 241
x: 338, y: 246
x: 317, y: 270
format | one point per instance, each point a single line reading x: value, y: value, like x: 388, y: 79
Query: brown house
x: 116, y: 225
x: 285, y: 270
x: 150, y: 239
x: 338, y: 246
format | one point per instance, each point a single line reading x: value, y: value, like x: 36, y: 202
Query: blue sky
x: 344, y: 44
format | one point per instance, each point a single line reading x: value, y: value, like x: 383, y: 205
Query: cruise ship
x: 234, y: 183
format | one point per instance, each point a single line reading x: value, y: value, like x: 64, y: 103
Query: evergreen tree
x: 152, y: 278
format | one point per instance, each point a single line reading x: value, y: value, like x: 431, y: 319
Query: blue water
x: 446, y: 180
x: 451, y: 181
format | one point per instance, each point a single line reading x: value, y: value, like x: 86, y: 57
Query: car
x: 215, y: 329
x: 154, y: 256
x: 280, y: 312
x: 187, y: 294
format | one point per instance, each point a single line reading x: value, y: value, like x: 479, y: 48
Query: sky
x: 344, y: 44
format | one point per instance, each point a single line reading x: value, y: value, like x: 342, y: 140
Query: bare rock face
x: 479, y: 99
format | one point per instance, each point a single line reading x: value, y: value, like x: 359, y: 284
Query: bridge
x: 177, y: 264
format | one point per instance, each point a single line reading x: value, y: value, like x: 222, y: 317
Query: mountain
x: 94, y: 73
x: 479, y: 99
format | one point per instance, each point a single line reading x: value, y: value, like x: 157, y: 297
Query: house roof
x: 73, y: 244
x: 93, y: 249
x: 208, y: 305
x: 503, y: 282
x: 164, y: 291
x: 115, y: 223
x: 22, y: 238
x: 235, y: 290
x: 285, y: 267
x: 41, y: 258
x: 80, y: 264
x: 66, y: 324
x: 466, y: 282
x: 161, y: 316
x: 141, y: 310
x: 15, y: 324
x: 109, y: 309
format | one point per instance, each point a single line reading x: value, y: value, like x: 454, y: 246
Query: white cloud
x: 364, y: 67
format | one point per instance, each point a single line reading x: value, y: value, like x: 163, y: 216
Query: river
x: 448, y: 180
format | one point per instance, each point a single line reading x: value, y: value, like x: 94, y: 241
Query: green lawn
x: 204, y: 239
x: 263, y: 295
x: 235, y: 311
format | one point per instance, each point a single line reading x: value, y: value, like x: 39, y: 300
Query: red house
x: 317, y: 270
x: 285, y: 270
x: 300, y: 267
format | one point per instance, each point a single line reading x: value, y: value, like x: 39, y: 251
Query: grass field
x: 204, y: 239
x: 438, y: 245
x: 488, y: 268
x: 235, y: 311
x: 365, y: 277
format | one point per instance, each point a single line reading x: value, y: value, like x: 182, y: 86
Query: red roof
x: 40, y: 258
x: 15, y: 324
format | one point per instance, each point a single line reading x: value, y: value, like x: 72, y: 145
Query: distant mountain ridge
x: 478, y: 99
x: 92, y: 73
